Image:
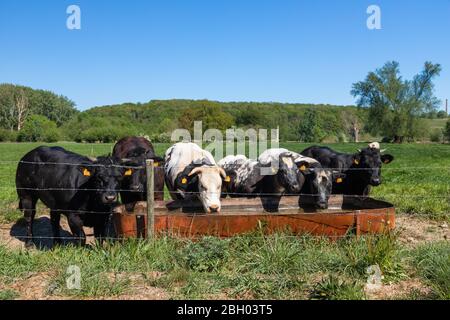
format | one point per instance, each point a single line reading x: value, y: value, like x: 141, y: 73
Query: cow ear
x: 356, y: 159
x: 338, y: 177
x: 86, y: 171
x: 304, y: 167
x: 158, y: 162
x: 128, y: 172
x: 387, y: 158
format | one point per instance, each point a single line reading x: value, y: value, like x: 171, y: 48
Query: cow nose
x: 214, y: 208
x: 322, y: 205
x: 376, y: 181
x: 110, y: 198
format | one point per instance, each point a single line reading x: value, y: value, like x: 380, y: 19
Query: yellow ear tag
x: 339, y: 180
x: 129, y: 172
x: 302, y: 168
x: 355, y: 161
x: 156, y: 164
x: 227, y: 179
x: 184, y: 181
x: 86, y: 173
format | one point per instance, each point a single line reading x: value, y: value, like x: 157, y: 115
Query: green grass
x: 433, y: 264
x: 433, y: 124
x: 248, y: 266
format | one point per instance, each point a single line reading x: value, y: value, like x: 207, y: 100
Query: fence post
x: 150, y: 198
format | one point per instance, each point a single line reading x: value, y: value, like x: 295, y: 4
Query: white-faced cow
x: 362, y: 169
x: 191, y: 172
x: 316, y: 181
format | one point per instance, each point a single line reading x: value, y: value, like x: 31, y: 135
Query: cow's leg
x: 55, y: 217
x: 76, y: 226
x: 100, y: 228
x: 28, y: 206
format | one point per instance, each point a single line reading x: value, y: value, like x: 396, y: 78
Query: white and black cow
x: 191, y: 172
x: 267, y: 180
x: 317, y: 181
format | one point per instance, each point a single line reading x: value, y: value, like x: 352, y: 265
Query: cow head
x: 287, y: 173
x: 105, y: 178
x: 368, y: 162
x: 135, y: 179
x: 318, y: 182
x: 207, y: 181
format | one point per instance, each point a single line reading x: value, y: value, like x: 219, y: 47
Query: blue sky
x: 226, y: 50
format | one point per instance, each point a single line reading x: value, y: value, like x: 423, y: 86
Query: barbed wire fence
x: 240, y: 194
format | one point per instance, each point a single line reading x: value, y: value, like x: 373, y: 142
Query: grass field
x: 436, y: 123
x: 248, y: 266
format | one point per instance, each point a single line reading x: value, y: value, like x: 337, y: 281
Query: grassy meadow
x: 251, y: 266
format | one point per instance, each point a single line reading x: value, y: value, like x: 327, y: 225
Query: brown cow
x: 134, y: 186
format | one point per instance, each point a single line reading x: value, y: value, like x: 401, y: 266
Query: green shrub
x: 38, y: 128
x: 7, y: 135
x: 206, y: 255
x: 447, y: 131
x: 437, y: 135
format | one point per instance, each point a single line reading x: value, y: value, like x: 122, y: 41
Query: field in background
x: 435, y: 123
x: 250, y: 266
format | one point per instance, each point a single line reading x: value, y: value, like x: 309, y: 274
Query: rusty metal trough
x: 243, y: 215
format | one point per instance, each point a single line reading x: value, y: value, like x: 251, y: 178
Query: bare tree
x: 352, y: 124
x: 21, y: 107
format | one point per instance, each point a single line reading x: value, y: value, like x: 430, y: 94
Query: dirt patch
x: 414, y: 231
x: 399, y: 290
x: 13, y: 235
x: 33, y: 287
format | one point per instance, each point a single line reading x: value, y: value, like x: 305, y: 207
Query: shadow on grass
x: 42, y: 233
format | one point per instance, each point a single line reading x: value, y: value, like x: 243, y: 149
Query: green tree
x: 18, y: 102
x: 395, y: 104
x: 38, y: 128
x: 210, y: 113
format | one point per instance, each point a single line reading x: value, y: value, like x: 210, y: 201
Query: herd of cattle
x: 86, y: 189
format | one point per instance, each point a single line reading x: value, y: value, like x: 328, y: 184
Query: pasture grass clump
x: 8, y: 294
x: 382, y: 250
x: 206, y: 255
x: 432, y: 263
x: 336, y: 288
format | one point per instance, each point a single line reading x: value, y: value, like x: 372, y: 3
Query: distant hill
x: 158, y: 118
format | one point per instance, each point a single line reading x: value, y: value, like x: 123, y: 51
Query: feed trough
x: 243, y: 215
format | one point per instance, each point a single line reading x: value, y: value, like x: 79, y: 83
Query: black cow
x: 362, y: 169
x: 134, y: 187
x: 81, y: 188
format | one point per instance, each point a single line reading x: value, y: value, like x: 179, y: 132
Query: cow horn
x: 222, y: 173
x: 194, y: 171
x: 93, y: 159
x: 358, y: 150
x: 125, y: 160
x: 383, y: 150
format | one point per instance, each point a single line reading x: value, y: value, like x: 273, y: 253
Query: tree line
x: 387, y: 107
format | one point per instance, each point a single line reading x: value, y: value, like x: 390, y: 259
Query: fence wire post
x: 150, y: 198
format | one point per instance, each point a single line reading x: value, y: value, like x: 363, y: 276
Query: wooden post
x: 150, y: 198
